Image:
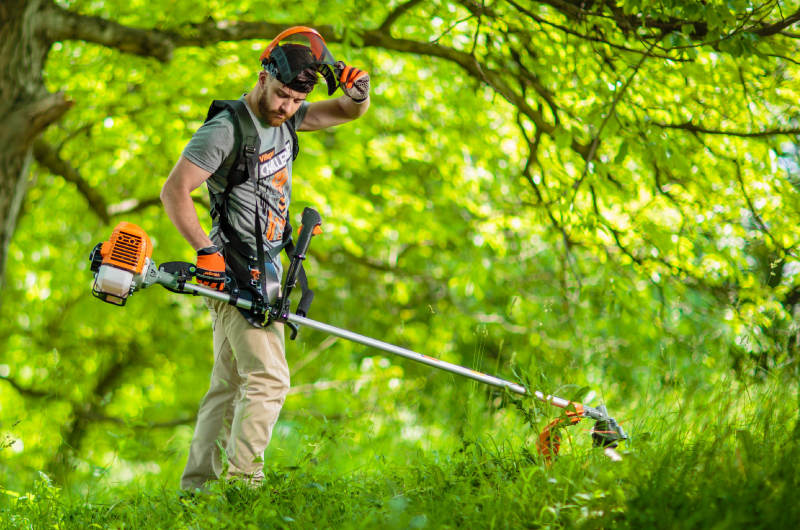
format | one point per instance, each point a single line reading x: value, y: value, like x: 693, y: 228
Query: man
x: 250, y: 378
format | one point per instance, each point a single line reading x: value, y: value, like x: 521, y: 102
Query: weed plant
x: 699, y: 456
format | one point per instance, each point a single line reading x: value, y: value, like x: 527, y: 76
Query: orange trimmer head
x: 606, y: 433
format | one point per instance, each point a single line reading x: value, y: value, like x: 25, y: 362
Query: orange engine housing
x: 128, y: 248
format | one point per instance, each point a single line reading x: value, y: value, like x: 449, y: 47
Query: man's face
x: 277, y: 103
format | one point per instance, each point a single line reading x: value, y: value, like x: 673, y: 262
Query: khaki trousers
x: 249, y: 384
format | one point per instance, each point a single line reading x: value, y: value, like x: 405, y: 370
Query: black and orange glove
x: 354, y: 82
x: 210, y: 268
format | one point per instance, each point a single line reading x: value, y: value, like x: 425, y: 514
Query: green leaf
x: 712, y: 18
x: 580, y: 394
x: 314, y: 485
x: 563, y: 140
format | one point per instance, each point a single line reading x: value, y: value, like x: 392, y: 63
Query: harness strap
x: 238, y: 172
x: 243, y: 167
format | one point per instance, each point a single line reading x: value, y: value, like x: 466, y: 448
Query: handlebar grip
x: 309, y: 227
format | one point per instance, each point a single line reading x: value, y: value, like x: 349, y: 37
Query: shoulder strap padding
x: 238, y: 172
x: 295, y: 142
x: 250, y: 140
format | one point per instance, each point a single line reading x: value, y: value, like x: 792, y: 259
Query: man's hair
x: 298, y: 54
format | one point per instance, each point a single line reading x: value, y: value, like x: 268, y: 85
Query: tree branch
x: 750, y: 206
x: 475, y: 69
x: 614, y: 233
x: 671, y: 24
x: 451, y: 28
x: 75, y: 432
x: 29, y: 392
x: 91, y: 415
x: 62, y: 24
x: 779, y: 26
x: 593, y: 148
x: 160, y: 44
x: 48, y: 158
x: 531, y: 79
x: 352, y: 258
x: 533, y: 158
x: 137, y: 205
x: 401, y: 10
x: 784, y: 57
x: 703, y: 130
x: 569, y: 31
x: 27, y: 121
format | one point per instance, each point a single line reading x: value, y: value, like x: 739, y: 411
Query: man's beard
x: 273, y: 117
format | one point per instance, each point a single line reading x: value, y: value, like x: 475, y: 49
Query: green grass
x: 722, y: 456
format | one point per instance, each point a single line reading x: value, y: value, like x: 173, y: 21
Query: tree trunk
x: 26, y: 106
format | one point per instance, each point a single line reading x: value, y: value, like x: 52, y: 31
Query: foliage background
x: 455, y: 225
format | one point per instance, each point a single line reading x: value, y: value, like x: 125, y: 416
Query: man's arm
x: 184, y: 178
x: 332, y: 112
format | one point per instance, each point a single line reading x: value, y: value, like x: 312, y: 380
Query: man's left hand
x: 354, y: 82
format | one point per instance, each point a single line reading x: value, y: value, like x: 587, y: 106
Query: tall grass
x: 702, y: 456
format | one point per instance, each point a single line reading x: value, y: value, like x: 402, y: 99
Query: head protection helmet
x: 283, y: 59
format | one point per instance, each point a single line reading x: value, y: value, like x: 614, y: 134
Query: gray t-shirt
x: 213, y: 148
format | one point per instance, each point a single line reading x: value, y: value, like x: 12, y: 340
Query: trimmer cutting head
x: 607, y: 432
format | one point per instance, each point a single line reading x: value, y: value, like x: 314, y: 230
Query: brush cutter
x: 123, y: 265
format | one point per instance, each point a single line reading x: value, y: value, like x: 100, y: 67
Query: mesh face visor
x: 296, y: 49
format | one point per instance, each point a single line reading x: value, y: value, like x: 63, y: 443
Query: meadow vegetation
x: 590, y: 198
x: 719, y: 456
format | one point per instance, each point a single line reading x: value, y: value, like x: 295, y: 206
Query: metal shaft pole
x: 424, y: 359
x: 408, y: 354
x: 169, y: 281
x: 583, y: 410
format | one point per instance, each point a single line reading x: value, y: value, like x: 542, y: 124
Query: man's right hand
x: 210, y: 268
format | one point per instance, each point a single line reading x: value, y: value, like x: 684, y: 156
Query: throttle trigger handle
x: 295, y: 328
